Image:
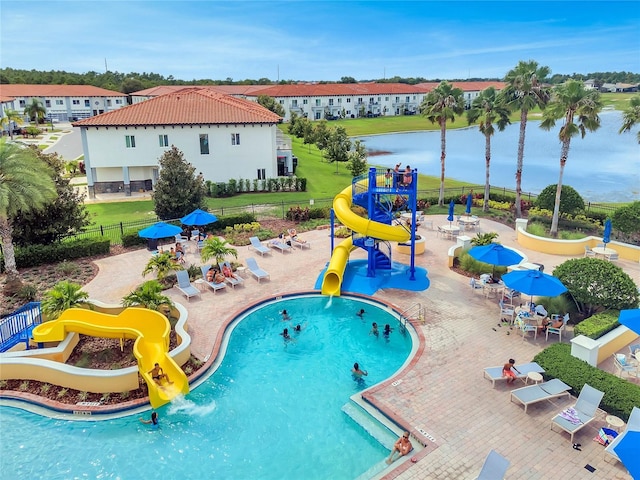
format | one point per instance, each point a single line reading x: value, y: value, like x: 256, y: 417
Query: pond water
x: 604, y: 166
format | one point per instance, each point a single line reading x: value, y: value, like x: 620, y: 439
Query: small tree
x: 321, y: 134
x: 179, y: 190
x: 597, y: 285
x: 357, y: 159
x: 35, y: 110
x: 570, y: 200
x: 217, y: 249
x: 12, y: 117
x: 61, y: 297
x: 631, y: 116
x: 627, y: 218
x: 271, y: 104
x: 148, y: 295
x: 338, y: 146
x: 161, y: 264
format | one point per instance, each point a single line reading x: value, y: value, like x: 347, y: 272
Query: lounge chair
x: 233, y: 281
x: 212, y: 285
x: 554, y: 388
x: 283, y: 247
x: 583, y: 412
x: 258, y: 246
x: 255, y: 270
x: 495, y: 373
x: 494, y: 468
x: 633, y: 425
x: 184, y: 285
x: 296, y: 241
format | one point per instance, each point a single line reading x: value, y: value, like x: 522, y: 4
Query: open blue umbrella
x: 606, y: 236
x: 452, y: 205
x: 469, y: 203
x: 534, y: 282
x: 159, y: 230
x: 630, y: 319
x: 495, y: 254
x: 627, y: 450
x: 199, y: 217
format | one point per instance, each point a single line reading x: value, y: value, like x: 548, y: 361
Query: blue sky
x: 319, y: 40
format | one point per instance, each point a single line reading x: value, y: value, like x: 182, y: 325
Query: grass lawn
x: 116, y: 212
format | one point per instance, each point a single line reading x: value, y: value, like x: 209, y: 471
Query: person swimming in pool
x: 153, y: 421
x: 285, y: 316
x: 360, y: 313
x: 374, y: 329
x: 357, y: 373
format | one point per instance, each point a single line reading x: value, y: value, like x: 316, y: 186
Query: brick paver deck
x: 442, y: 392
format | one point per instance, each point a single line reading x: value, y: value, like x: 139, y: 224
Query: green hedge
x: 598, y: 324
x: 231, y: 220
x: 131, y: 238
x: 34, y: 255
x: 620, y: 395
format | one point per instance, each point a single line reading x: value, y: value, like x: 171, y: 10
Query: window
x: 294, y: 103
x: 118, y: 101
x: 235, y: 139
x: 47, y: 103
x: 204, y: 144
x: 75, y: 102
x: 386, y: 99
x: 318, y: 116
x: 281, y: 102
x: 339, y: 100
x: 108, y: 102
x: 163, y: 140
x: 130, y: 141
x: 87, y: 103
x: 407, y: 99
x: 59, y: 102
x: 23, y: 103
x: 317, y: 102
x: 305, y: 101
x: 331, y: 101
x: 262, y: 174
x: 359, y: 99
x: 371, y: 101
x: 397, y: 99
x: 348, y: 100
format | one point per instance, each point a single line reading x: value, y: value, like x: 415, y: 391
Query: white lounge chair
x: 233, y: 281
x: 583, y: 412
x: 494, y: 468
x: 255, y: 270
x: 184, y: 285
x: 633, y: 425
x: 212, y: 285
x: 495, y: 373
x: 554, y: 388
x: 258, y: 246
x: 283, y: 247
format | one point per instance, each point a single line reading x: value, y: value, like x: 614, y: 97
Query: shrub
x: 627, y: 218
x: 231, y: 220
x: 319, y: 212
x: 27, y: 292
x: 473, y: 266
x: 597, y: 325
x: 484, y: 239
x: 298, y: 214
x: 342, y: 232
x: 570, y: 200
x: 131, y: 238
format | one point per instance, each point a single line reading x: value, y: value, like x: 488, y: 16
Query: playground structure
x: 376, y: 193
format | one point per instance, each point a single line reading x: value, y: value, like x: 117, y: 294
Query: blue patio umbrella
x: 469, y: 203
x: 630, y: 319
x: 198, y: 217
x: 534, y: 282
x: 495, y: 254
x: 606, y: 236
x: 627, y: 450
x: 159, y: 230
x: 452, y: 205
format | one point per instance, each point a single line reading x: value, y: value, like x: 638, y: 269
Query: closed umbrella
x: 495, y: 254
x: 606, y: 236
x: 627, y: 450
x: 469, y: 203
x: 452, y: 205
x: 198, y: 217
x: 159, y: 230
x: 630, y: 319
x: 534, y: 282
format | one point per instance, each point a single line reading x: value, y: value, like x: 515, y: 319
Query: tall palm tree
x: 35, y: 109
x: 631, y: 116
x: 525, y: 91
x: 162, y: 264
x: 217, y: 248
x: 568, y: 101
x: 12, y: 117
x: 62, y: 296
x: 25, y: 185
x: 488, y: 108
x: 441, y: 104
x: 148, y: 295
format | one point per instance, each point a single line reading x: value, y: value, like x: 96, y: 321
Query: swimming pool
x: 272, y: 409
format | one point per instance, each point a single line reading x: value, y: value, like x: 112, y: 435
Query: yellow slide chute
x: 370, y: 228
x: 149, y: 329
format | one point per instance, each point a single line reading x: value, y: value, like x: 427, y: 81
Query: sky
x: 319, y: 40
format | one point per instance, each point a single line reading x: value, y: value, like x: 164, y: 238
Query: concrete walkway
x: 443, y: 391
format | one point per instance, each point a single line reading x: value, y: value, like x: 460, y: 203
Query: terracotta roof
x: 464, y: 86
x: 228, y: 89
x: 189, y: 106
x: 328, y: 89
x: 23, y: 90
x: 4, y: 99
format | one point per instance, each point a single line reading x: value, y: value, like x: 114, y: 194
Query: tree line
x: 134, y: 81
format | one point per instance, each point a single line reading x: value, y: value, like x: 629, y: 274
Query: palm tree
x: 631, y: 116
x: 62, y: 296
x: 441, y: 104
x: 147, y: 295
x: 568, y: 101
x: 12, y: 117
x: 35, y: 109
x: 525, y: 91
x: 25, y: 185
x: 217, y: 248
x: 162, y: 264
x: 488, y: 107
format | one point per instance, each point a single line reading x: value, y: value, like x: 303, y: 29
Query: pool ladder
x: 415, y: 311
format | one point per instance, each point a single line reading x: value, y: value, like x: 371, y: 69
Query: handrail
x: 414, y: 311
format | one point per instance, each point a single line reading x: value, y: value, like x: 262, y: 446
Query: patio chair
x: 212, y: 285
x: 184, y: 285
x: 181, y: 238
x: 634, y: 350
x: 283, y: 247
x: 588, y: 252
x: 258, y: 246
x: 573, y: 419
x: 633, y: 425
x: 233, y: 281
x: 554, y: 388
x: 494, y: 468
x: 557, y: 330
x: 507, y: 313
x: 255, y: 270
x: 475, y: 284
x: 509, y: 294
x: 495, y: 373
x: 611, y: 256
x: 624, y: 365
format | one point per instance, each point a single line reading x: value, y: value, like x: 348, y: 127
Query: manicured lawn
x: 115, y: 212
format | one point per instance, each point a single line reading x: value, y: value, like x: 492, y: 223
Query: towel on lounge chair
x: 571, y: 415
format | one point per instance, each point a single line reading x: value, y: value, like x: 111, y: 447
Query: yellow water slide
x: 149, y: 329
x: 342, y: 208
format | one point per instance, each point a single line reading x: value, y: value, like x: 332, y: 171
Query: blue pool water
x: 272, y: 410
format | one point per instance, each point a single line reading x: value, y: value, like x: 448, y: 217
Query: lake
x: 604, y: 166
